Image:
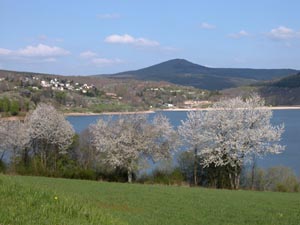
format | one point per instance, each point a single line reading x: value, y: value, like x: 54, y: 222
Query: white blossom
x: 232, y: 133
x: 129, y: 138
x: 48, y: 126
x: 239, y: 129
x: 13, y: 136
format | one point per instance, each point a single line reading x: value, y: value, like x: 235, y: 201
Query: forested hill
x: 292, y: 81
x: 183, y: 72
x: 280, y: 92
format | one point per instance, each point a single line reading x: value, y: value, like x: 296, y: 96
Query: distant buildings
x: 193, y: 104
x: 61, y: 85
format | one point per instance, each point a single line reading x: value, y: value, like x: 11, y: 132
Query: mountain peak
x: 177, y: 60
x: 180, y: 63
x: 173, y: 66
x: 184, y: 72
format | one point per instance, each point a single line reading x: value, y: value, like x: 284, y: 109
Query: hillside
x: 40, y: 200
x: 22, y: 91
x: 292, y: 81
x: 132, y: 91
x: 183, y: 72
x: 284, y: 91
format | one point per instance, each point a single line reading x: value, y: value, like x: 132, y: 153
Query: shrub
x: 2, y: 166
x: 14, y: 108
x: 165, y: 177
x: 186, y: 165
x: 281, y: 179
x: 277, y: 178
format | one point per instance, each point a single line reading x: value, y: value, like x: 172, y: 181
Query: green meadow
x: 40, y: 200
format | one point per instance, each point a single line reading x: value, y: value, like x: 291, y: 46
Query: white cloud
x: 109, y: 16
x: 4, y: 51
x: 39, y: 50
x: 283, y: 33
x: 123, y: 39
x: 207, y: 26
x: 128, y: 39
x: 240, y: 34
x: 88, y: 54
x: 105, y: 62
x: 34, y: 54
x: 92, y: 58
x: 42, y: 50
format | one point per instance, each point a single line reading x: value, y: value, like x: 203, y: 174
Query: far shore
x: 147, y: 112
x: 207, y: 109
x: 106, y: 113
x: 167, y: 110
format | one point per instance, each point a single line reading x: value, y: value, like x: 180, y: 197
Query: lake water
x: 291, y: 137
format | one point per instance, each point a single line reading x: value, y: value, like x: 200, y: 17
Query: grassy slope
x: 88, y: 202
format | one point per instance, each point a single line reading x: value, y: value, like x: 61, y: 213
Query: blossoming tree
x: 50, y: 133
x: 232, y: 133
x: 129, y: 139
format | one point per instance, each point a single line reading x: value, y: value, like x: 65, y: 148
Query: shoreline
x: 107, y: 113
x: 207, y: 109
x: 11, y: 118
x: 171, y: 110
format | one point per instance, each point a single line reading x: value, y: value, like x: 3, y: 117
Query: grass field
x: 39, y: 200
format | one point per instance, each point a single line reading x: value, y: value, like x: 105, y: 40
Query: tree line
x: 11, y: 107
x: 212, y: 147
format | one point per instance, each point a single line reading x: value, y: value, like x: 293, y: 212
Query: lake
x: 291, y: 137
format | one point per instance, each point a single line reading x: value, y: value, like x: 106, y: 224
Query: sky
x: 108, y: 36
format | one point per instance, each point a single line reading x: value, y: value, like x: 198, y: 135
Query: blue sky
x: 107, y: 36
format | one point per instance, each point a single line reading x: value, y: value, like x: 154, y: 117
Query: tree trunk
x: 231, y: 179
x: 129, y: 173
x: 25, y: 157
x: 253, y: 173
x: 2, y: 155
x: 214, y: 182
x: 195, y: 167
x: 55, y: 161
x: 42, y: 159
x: 236, y: 179
x: 14, y: 159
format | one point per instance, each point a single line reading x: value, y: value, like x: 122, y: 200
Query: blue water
x: 291, y: 137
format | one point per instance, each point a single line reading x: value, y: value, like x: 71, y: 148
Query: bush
x: 277, y: 178
x: 281, y: 179
x: 176, y: 177
x: 4, y: 104
x: 113, y: 175
x: 186, y: 165
x: 77, y: 173
x: 2, y: 167
x: 158, y: 176
x: 14, y: 108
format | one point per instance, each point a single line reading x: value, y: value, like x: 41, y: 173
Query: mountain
x: 285, y: 91
x: 292, y: 81
x: 280, y: 92
x: 183, y: 72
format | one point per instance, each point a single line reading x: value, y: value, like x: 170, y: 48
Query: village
x: 55, y: 84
